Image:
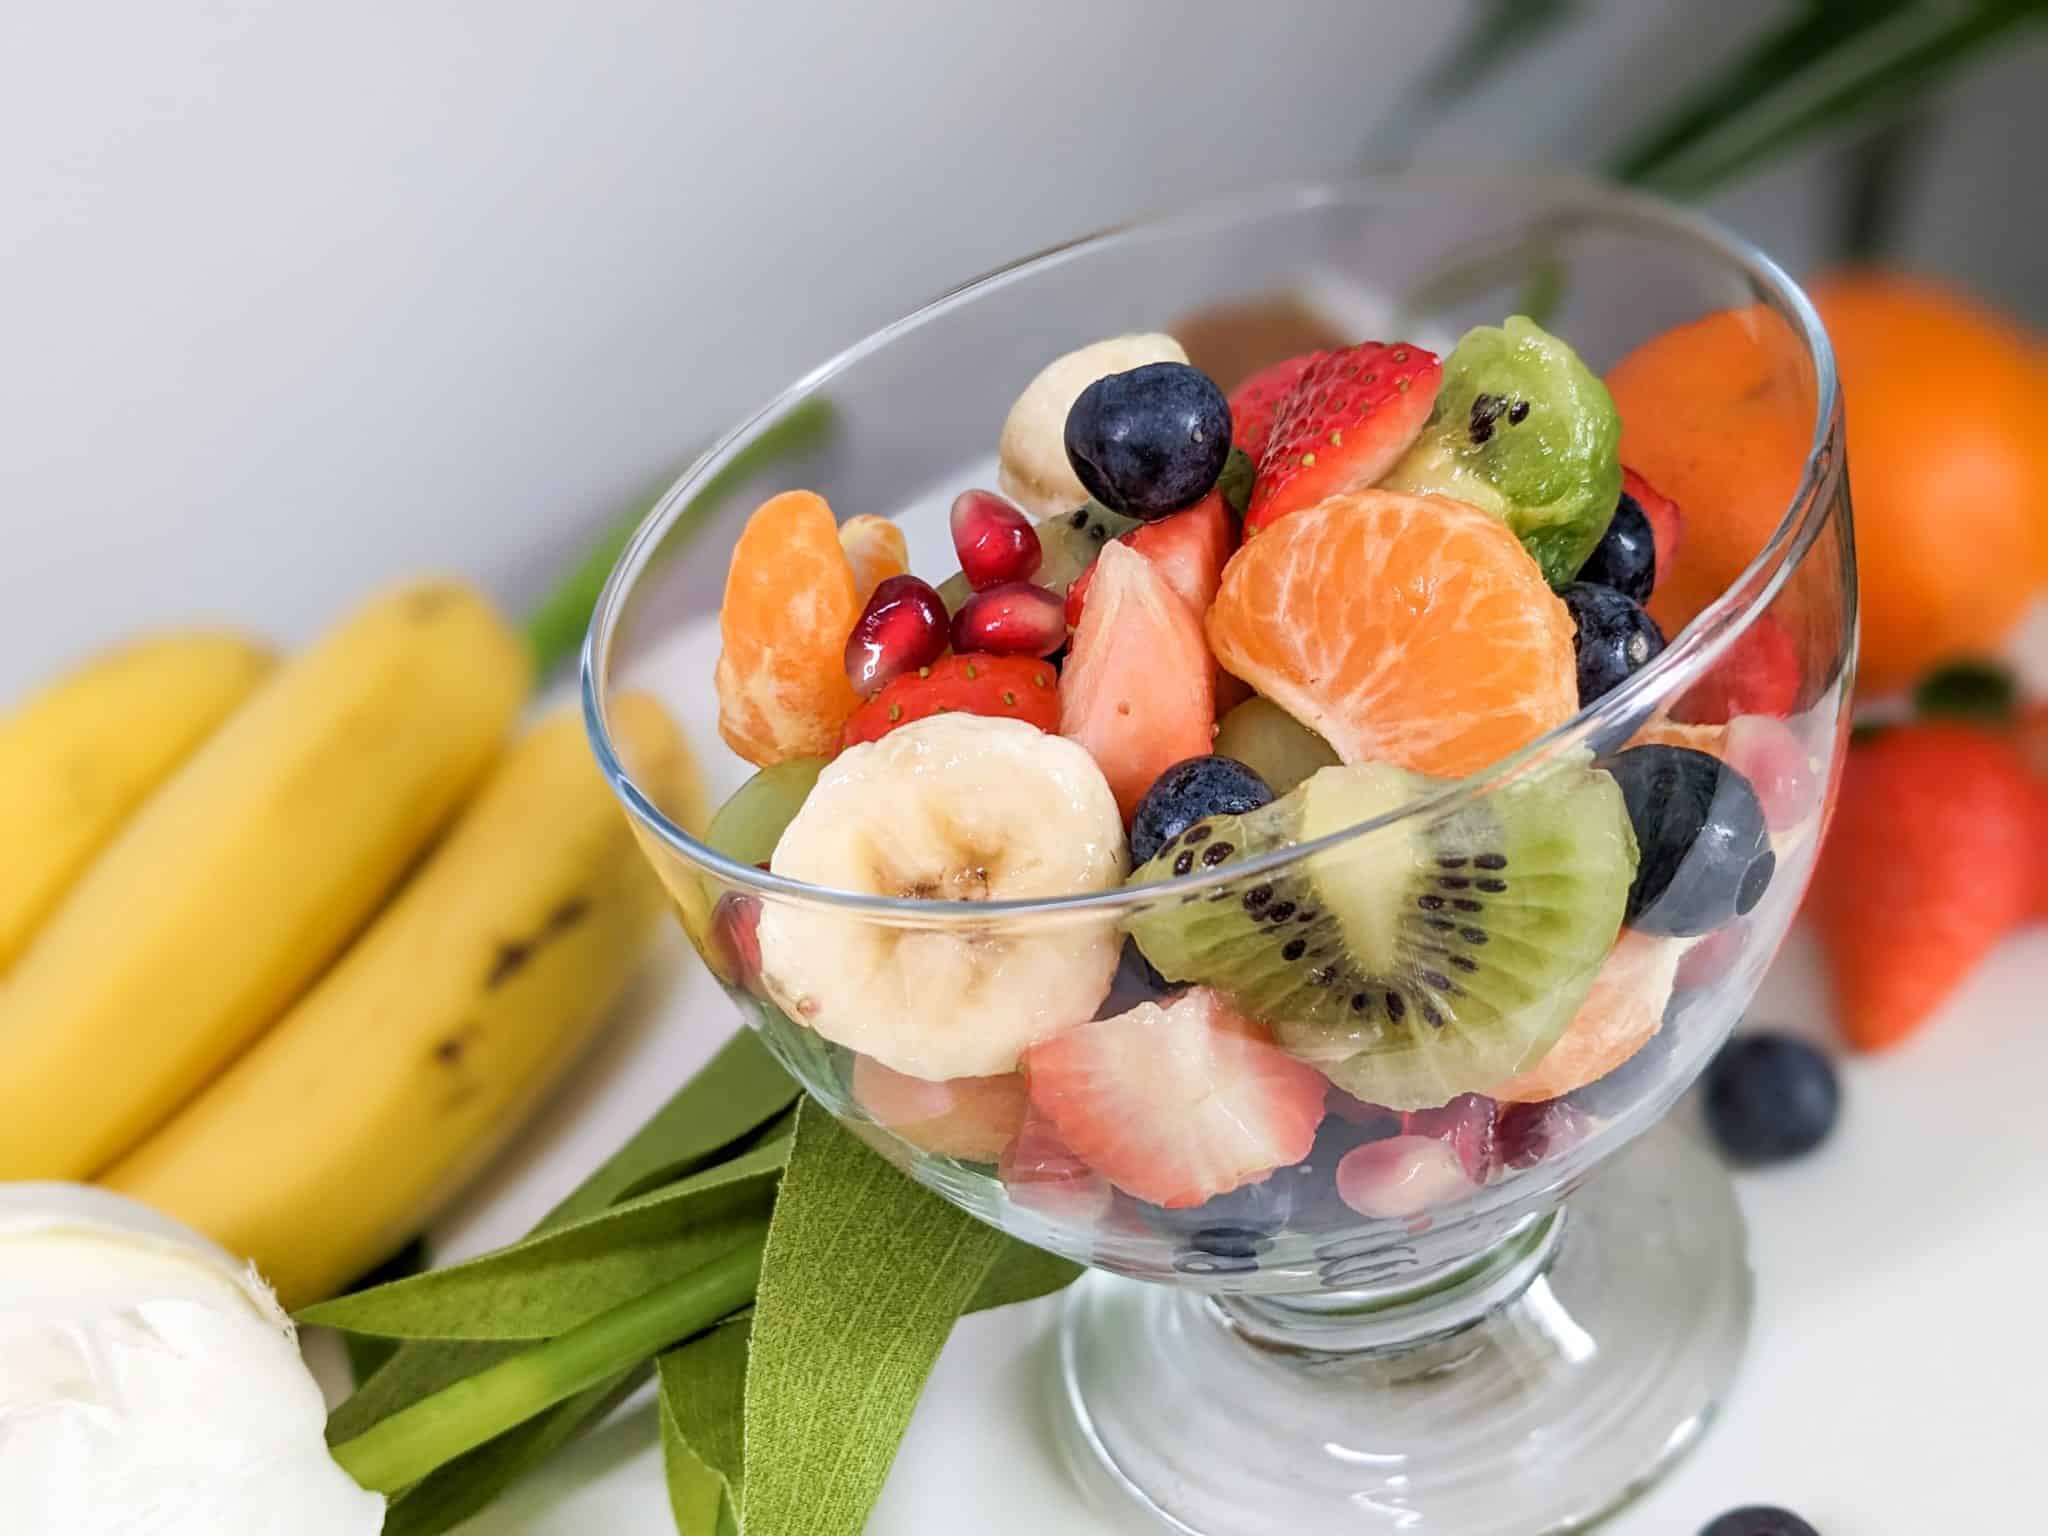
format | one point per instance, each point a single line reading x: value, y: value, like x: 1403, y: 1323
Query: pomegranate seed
x: 735, y: 940
x: 1400, y: 1176
x: 994, y: 539
x: 1015, y: 619
x: 902, y: 628
x: 1768, y: 752
x: 1528, y: 1133
x: 1465, y: 1125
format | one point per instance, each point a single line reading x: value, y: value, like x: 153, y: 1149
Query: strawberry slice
x: 972, y: 1118
x: 1176, y: 1104
x: 1253, y: 403
x: 1665, y: 523
x: 1139, y: 687
x: 1757, y: 675
x: 1466, y: 1126
x: 1040, y: 1172
x: 1352, y: 414
x: 1189, y: 549
x: 1012, y: 687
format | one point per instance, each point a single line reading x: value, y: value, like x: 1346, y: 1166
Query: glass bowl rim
x: 1690, y: 654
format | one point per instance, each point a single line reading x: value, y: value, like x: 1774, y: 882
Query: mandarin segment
x: 875, y: 549
x: 1412, y: 630
x: 790, y: 602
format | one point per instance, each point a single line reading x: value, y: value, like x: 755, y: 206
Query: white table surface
x: 1897, y: 1376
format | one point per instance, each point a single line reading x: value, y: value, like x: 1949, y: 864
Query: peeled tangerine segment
x: 791, y: 598
x: 955, y: 807
x: 1401, y: 629
x: 1524, y: 430
x: 1441, y: 954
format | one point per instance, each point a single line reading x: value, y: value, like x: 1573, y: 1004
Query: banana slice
x: 955, y: 807
x: 1034, y: 472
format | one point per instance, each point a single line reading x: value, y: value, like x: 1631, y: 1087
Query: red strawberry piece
x: 973, y: 1118
x: 2032, y: 737
x: 1757, y: 675
x: 1040, y: 1172
x: 994, y: 540
x: 1253, y: 403
x: 1465, y: 1125
x: 1189, y: 549
x: 1931, y: 860
x: 1014, y: 619
x: 735, y: 941
x: 1666, y: 523
x: 1011, y: 687
x: 1352, y: 414
x: 1138, y: 688
x: 1177, y: 1104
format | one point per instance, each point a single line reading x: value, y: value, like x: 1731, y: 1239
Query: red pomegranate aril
x: 1528, y: 1133
x: 735, y: 940
x: 994, y: 539
x: 902, y: 628
x: 1400, y: 1177
x: 1465, y: 1125
x: 1015, y: 619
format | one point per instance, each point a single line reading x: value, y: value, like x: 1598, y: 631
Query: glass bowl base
x: 1554, y: 1407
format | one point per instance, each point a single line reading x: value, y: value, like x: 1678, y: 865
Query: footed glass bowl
x: 1442, y: 1311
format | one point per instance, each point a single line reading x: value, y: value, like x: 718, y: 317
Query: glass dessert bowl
x: 1315, y: 828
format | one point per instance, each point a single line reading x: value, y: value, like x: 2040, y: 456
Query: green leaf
x: 864, y: 1276
x: 1981, y: 691
x: 556, y: 628
x: 1236, y: 480
x: 366, y: 1353
x: 733, y: 1095
x: 703, y: 1398
x: 549, y: 1283
x: 1833, y: 61
x: 449, y: 1495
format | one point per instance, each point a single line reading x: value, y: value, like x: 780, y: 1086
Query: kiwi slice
x: 1070, y: 543
x: 1524, y: 430
x: 1273, y: 744
x: 1437, y: 956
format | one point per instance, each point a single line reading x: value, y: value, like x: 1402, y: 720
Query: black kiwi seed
x: 1293, y: 949
x: 1467, y: 904
x: 1450, y: 861
x: 1491, y: 861
x: 1492, y: 887
x: 1307, y: 915
x: 1322, y: 976
x: 1257, y: 897
x: 1473, y: 935
x: 1216, y: 853
x: 1358, y: 1002
x: 1442, y: 924
x: 1185, y: 862
x: 1465, y: 963
x: 1199, y: 832
x: 1280, y: 911
x: 1397, y: 1006
x: 1453, y: 882
x: 1430, y: 902
x: 1431, y: 1017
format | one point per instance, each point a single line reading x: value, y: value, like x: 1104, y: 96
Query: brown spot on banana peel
x: 514, y: 954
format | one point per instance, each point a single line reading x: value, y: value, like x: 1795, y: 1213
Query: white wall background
x: 295, y: 297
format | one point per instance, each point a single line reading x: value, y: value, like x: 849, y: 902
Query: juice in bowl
x: 1273, y: 838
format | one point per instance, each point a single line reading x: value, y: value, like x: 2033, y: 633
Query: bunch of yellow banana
x: 289, y: 950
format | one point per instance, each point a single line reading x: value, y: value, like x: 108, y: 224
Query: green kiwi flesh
x: 1439, y: 955
x: 1525, y: 430
x: 1273, y: 744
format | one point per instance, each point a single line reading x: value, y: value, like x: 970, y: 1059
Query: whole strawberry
x: 1929, y: 864
x: 1351, y: 414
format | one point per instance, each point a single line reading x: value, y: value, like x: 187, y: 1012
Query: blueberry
x: 1771, y: 1097
x: 1615, y: 638
x: 1704, y: 852
x: 1188, y: 791
x: 1626, y: 556
x: 1150, y: 441
x: 1759, y: 1520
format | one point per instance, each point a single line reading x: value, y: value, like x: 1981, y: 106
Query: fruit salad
x: 1221, y: 663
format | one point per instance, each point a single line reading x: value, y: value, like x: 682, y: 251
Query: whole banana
x: 343, y: 1129
x: 81, y: 755
x: 246, y: 873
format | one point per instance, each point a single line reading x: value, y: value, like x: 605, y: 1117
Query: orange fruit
x: 876, y: 550
x: 1947, y: 464
x: 1617, y: 1019
x: 1404, y: 629
x: 790, y: 603
x: 1718, y: 416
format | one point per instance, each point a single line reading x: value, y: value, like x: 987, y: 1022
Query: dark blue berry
x: 1771, y: 1097
x: 1615, y: 638
x: 1703, y: 850
x: 1188, y: 791
x: 1626, y: 556
x: 1151, y: 441
x: 1759, y: 1520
